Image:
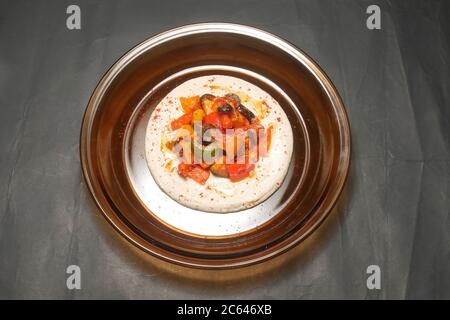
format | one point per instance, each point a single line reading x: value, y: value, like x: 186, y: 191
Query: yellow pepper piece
x: 198, y: 115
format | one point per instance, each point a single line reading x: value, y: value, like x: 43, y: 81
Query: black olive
x: 225, y: 108
x: 235, y: 97
x: 246, y: 112
x: 206, y: 96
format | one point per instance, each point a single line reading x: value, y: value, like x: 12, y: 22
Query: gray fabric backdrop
x: 395, y: 210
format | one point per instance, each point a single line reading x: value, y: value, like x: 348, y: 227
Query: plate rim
x: 329, y: 88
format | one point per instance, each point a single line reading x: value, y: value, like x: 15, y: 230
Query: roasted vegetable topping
x: 225, y: 108
x: 205, y: 97
x: 246, y: 113
x: 183, y: 120
x: 194, y: 171
x: 235, y: 97
x: 190, y: 104
x: 202, y: 138
x: 237, y: 171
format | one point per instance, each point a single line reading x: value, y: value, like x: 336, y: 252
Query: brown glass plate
x: 116, y: 172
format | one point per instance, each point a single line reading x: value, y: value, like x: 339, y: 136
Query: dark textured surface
x: 396, y: 207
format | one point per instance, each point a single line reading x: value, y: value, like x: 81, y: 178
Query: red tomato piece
x: 238, y: 120
x: 237, y: 171
x: 181, y: 121
x: 213, y: 119
x: 194, y: 172
x: 225, y: 121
